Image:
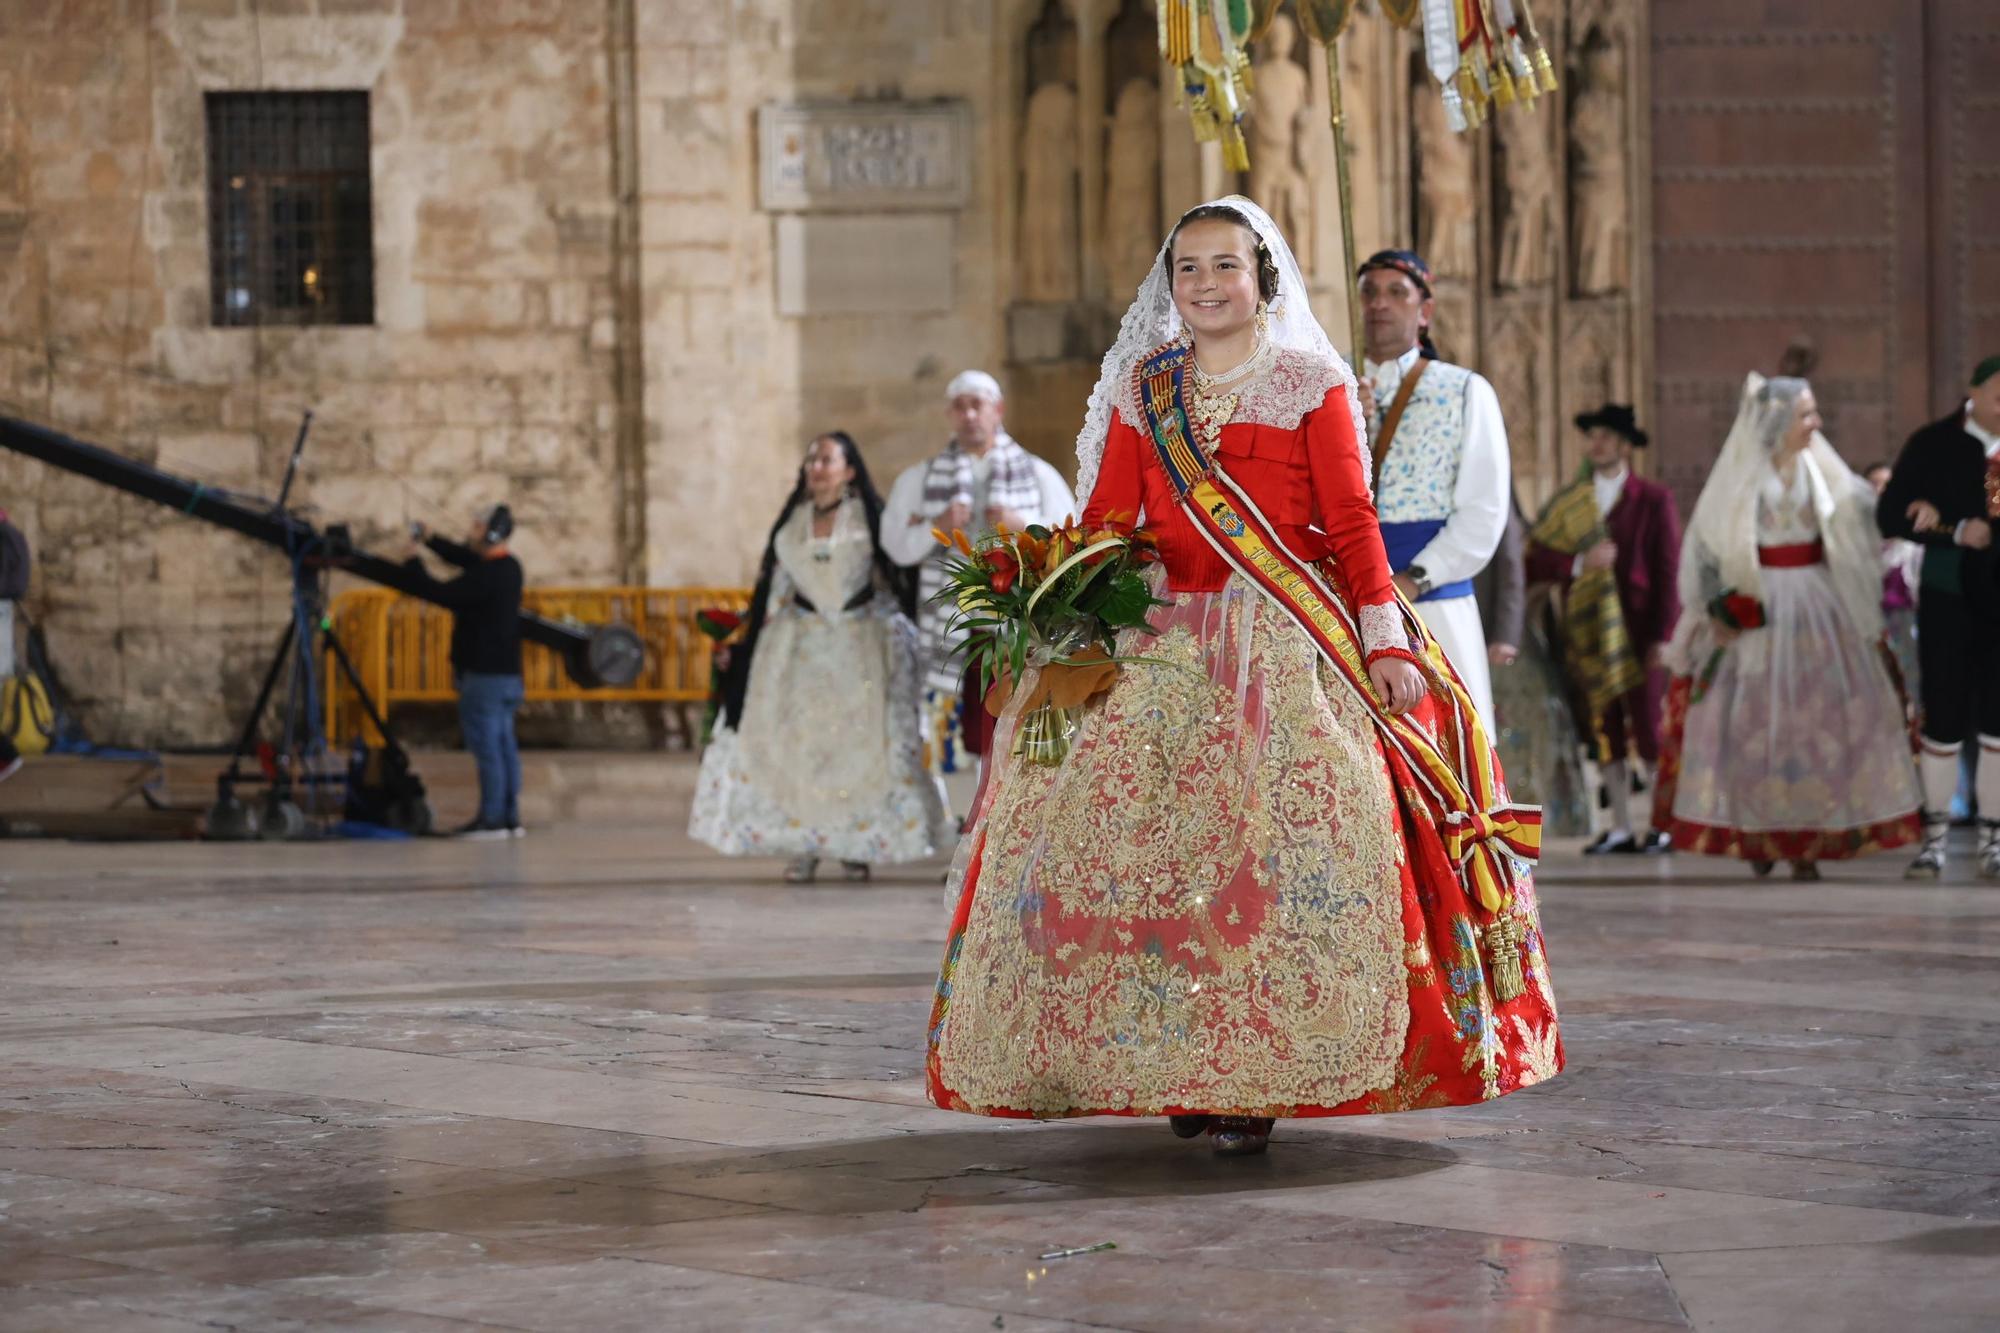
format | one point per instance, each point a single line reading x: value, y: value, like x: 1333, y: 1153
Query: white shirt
x: 907, y: 520
x: 1986, y: 438
x: 1479, y: 499
x: 1987, y: 441
x: 1387, y: 376
x: 1609, y: 489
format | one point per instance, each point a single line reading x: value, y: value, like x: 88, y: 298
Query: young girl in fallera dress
x: 1229, y: 904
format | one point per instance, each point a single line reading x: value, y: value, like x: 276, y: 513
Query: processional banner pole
x: 1481, y: 52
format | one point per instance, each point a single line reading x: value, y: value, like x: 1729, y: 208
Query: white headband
x: 977, y: 383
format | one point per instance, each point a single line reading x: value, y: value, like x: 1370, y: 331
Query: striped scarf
x: 1597, y: 649
x: 1012, y: 484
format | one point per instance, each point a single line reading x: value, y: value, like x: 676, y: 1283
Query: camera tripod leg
x: 246, y: 740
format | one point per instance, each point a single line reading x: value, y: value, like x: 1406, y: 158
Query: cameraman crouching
x: 485, y: 604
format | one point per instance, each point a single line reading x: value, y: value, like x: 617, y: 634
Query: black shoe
x: 1188, y: 1126
x: 10, y: 768
x: 1613, y: 842
x: 1763, y: 869
x: 479, y: 831
x: 1656, y: 843
x: 1239, y: 1135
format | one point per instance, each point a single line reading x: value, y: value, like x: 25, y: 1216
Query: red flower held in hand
x: 1747, y: 612
x: 1005, y: 566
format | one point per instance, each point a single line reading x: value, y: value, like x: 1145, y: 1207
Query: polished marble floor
x: 602, y: 1080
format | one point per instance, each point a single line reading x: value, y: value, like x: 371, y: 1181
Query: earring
x: 1263, y: 319
x: 1185, y: 337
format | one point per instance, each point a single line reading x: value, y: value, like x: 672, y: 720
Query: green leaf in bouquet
x: 1126, y: 602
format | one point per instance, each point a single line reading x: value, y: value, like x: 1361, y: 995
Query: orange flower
x: 958, y: 540
x: 1031, y: 547
x: 943, y: 538
x: 1059, y: 548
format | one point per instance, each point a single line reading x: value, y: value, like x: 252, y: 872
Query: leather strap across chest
x: 1394, y: 418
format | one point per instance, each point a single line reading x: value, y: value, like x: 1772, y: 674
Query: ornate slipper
x: 1189, y: 1126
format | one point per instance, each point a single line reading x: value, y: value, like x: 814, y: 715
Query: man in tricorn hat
x: 1611, y: 521
x: 1441, y: 467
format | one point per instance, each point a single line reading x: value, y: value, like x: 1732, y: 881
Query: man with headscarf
x: 1944, y: 494
x: 1611, y: 540
x: 1442, y: 473
x: 980, y: 480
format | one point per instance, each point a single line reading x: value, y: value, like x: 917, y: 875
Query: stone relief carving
x: 1594, y: 368
x: 1447, y: 229
x: 1528, y: 222
x: 1132, y: 187
x: 1048, y: 203
x: 1600, y: 211
x: 1454, y: 328
x: 1517, y: 362
x: 1280, y: 117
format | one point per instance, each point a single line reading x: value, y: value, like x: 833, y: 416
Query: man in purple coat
x: 1642, y: 549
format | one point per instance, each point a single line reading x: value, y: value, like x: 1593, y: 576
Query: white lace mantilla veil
x: 1724, y: 523
x: 1152, y: 320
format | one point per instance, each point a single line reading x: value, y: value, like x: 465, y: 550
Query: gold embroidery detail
x: 1202, y: 907
x: 1538, y: 1052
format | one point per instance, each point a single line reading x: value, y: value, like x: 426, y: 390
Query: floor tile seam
x: 1454, y: 1160
x: 1959, y: 1221
x: 1554, y: 1092
x: 177, y: 1313
x: 1667, y: 1281
x: 432, y: 1113
x: 293, y: 1209
x: 682, y: 1092
x: 853, y: 1291
x: 823, y: 1279
x: 920, y: 982
x: 1912, y: 1173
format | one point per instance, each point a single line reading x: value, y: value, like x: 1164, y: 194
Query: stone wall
x: 584, y: 303
x: 486, y: 373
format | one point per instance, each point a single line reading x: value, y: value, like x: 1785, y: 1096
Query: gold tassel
x: 1503, y: 85
x: 1235, y: 152
x: 1546, y: 69
x: 1472, y: 96
x: 1504, y: 939
x: 1177, y: 31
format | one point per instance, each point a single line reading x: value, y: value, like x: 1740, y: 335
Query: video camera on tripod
x: 383, y: 785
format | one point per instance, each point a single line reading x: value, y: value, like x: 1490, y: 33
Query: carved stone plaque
x: 873, y: 156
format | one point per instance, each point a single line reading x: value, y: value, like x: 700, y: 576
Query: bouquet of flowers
x: 1739, y: 611
x: 1050, y: 598
x: 721, y: 626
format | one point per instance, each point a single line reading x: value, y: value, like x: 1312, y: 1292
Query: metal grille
x: 290, y: 237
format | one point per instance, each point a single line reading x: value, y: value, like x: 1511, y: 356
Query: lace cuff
x: 1382, y: 630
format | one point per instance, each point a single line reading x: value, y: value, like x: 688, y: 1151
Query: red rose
x: 716, y: 623
x: 1745, y: 612
x: 1005, y: 566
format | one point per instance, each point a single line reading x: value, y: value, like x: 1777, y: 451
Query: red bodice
x: 1309, y: 480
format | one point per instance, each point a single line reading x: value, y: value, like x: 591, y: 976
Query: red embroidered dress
x: 1221, y: 901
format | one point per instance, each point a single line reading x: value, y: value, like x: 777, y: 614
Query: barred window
x: 290, y: 237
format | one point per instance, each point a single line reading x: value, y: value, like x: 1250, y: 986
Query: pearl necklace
x: 1210, y: 406
x: 1260, y: 356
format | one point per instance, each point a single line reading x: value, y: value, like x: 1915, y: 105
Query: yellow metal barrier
x: 401, y: 649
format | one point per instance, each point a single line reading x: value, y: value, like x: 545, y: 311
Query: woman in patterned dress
x: 1224, y: 907
x: 1786, y: 737
x: 819, y: 749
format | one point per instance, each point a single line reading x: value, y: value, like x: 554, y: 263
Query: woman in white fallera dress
x: 1787, y: 740
x: 818, y: 752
